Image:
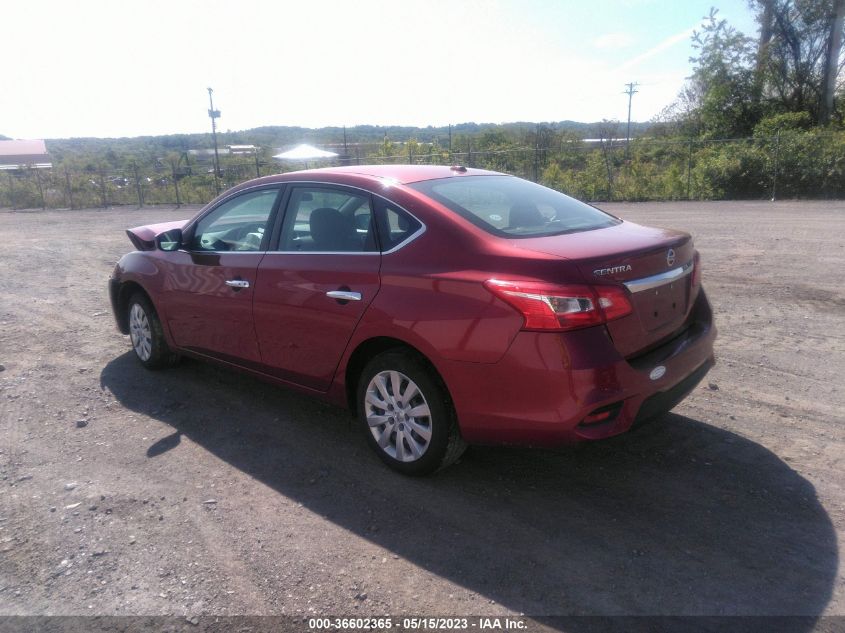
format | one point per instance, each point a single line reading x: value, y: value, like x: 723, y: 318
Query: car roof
x: 403, y: 174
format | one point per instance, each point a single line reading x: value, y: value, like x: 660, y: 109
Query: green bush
x: 784, y: 122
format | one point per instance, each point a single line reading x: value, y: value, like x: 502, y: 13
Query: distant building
x: 24, y: 154
x: 207, y: 152
x: 228, y: 150
x: 237, y: 150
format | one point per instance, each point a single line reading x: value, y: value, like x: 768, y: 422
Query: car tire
x: 147, y: 335
x: 417, y: 432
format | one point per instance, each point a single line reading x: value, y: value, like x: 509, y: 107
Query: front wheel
x: 406, y: 414
x: 147, y: 335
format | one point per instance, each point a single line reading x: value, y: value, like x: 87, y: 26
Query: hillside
x: 280, y: 136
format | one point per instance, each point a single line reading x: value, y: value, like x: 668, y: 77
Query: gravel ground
x: 199, y: 491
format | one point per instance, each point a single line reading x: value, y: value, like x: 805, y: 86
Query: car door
x: 313, y: 287
x: 209, y: 287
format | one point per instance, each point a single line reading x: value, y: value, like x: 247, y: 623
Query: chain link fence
x: 788, y: 165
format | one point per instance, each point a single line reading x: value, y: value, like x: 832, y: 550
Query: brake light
x: 696, y: 270
x: 558, y: 307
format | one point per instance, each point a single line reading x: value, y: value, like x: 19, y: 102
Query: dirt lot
x: 200, y: 491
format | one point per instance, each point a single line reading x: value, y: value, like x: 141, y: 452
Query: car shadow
x: 676, y: 517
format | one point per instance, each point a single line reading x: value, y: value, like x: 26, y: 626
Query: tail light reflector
x: 603, y: 414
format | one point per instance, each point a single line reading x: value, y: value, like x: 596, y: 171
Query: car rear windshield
x: 511, y: 207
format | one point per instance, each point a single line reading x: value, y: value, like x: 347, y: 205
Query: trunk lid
x: 654, y: 264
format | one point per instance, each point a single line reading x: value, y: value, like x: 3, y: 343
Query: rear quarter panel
x: 432, y: 295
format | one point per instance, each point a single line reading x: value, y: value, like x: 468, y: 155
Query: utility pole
x: 40, y: 187
x: 69, y: 187
x: 775, y: 171
x: 214, y: 114
x: 630, y: 90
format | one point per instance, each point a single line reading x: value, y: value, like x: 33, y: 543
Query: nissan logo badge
x: 657, y: 373
x: 670, y: 257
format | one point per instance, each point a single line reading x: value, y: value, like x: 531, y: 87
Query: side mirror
x: 169, y: 240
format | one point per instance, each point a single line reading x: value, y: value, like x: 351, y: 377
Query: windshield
x: 512, y: 207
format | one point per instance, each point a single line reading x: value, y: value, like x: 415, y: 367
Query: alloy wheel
x: 140, y: 332
x: 398, y: 415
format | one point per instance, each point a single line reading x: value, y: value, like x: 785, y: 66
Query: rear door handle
x: 344, y: 295
x: 237, y: 283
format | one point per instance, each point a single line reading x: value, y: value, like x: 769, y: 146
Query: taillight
x: 558, y: 307
x: 696, y: 270
x: 614, y: 301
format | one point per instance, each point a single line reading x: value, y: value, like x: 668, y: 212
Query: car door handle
x: 344, y: 295
x: 237, y: 283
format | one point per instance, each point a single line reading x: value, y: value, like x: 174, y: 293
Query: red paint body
x: 508, y: 385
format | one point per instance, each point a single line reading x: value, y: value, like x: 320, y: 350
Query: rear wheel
x: 406, y: 414
x: 147, y: 334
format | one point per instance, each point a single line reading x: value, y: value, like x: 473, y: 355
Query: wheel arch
x: 125, y: 291
x: 369, y: 349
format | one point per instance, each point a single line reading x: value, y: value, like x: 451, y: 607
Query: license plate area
x: 662, y: 305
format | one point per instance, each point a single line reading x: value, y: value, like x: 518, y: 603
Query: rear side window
x: 512, y: 207
x: 327, y: 220
x: 394, y: 224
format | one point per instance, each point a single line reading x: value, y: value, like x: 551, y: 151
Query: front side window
x: 323, y: 219
x: 512, y: 207
x: 239, y: 224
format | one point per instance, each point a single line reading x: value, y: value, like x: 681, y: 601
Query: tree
x: 831, y: 63
x: 800, y: 61
x: 766, y: 19
x: 793, y: 66
x: 723, y: 82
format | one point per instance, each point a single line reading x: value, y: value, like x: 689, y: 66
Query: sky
x: 129, y: 68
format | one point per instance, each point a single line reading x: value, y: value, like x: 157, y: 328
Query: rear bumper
x: 542, y: 390
x: 664, y: 401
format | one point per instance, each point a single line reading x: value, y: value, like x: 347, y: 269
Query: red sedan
x: 443, y: 305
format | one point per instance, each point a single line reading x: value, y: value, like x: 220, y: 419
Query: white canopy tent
x: 305, y: 152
